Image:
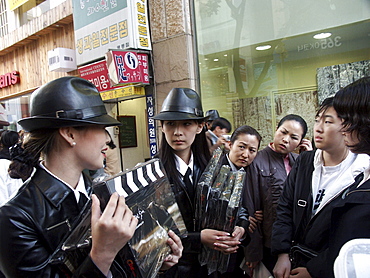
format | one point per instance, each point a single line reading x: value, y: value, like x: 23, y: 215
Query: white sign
x: 103, y: 25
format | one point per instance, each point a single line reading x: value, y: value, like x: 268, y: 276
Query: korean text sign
x: 127, y: 67
x: 114, y: 24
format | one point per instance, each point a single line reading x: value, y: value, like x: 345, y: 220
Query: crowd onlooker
x: 216, y: 134
x: 8, y: 185
x: 265, y: 182
x: 311, y: 191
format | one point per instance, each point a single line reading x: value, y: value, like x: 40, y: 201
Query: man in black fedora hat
x: 212, y: 115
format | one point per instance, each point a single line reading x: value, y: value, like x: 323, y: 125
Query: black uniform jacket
x: 188, y: 265
x: 34, y: 223
x: 319, y: 233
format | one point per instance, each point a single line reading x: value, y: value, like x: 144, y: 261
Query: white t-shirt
x: 328, y: 175
x: 8, y: 186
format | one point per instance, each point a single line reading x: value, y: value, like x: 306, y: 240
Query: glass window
x: 14, y: 109
x: 261, y: 60
x: 3, y: 19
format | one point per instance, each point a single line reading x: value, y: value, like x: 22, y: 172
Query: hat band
x: 80, y: 114
x: 182, y: 109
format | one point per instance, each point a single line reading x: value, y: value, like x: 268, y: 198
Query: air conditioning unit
x: 62, y: 59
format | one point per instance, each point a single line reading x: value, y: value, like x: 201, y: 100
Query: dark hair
x: 25, y: 157
x: 245, y: 129
x: 327, y: 103
x: 9, y: 138
x: 299, y: 119
x: 222, y: 123
x: 352, y: 104
x: 199, y: 148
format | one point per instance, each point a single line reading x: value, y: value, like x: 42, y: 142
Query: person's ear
x: 200, y: 127
x: 229, y: 144
x: 68, y: 134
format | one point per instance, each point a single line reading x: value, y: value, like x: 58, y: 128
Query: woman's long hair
x: 26, y: 156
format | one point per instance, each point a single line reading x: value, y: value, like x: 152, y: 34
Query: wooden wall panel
x: 32, y: 63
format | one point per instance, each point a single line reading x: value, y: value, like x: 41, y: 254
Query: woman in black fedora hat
x: 67, y: 129
x: 185, y: 155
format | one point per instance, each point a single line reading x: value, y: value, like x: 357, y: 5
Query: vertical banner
x: 151, y: 126
x: 141, y: 24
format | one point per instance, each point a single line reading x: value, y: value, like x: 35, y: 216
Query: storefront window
x: 13, y: 110
x: 261, y: 60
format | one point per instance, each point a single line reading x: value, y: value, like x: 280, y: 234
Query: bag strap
x: 303, y: 201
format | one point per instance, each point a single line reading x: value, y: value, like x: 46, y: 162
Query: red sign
x: 10, y: 78
x: 127, y: 67
x: 97, y: 73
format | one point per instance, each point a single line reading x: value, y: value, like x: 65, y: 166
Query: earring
x: 73, y: 144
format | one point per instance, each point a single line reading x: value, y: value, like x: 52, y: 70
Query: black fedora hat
x: 66, y: 101
x: 212, y: 115
x: 181, y: 104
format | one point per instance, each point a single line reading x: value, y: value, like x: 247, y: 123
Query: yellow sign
x: 127, y: 92
x: 13, y: 4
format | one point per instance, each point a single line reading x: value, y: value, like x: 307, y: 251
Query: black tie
x: 189, y: 184
x: 81, y: 201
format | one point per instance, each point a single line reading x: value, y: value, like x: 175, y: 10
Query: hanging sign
x: 126, y: 67
x: 96, y: 73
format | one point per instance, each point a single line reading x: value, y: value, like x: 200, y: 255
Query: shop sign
x: 151, y: 125
x: 126, y: 67
x: 9, y: 79
x: 97, y: 73
x: 103, y: 25
x: 127, y: 92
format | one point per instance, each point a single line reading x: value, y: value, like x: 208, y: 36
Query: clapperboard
x: 149, y: 195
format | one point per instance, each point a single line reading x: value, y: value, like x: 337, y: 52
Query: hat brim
x: 38, y: 122
x: 176, y: 116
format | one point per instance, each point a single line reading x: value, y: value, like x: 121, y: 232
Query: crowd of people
x: 299, y: 204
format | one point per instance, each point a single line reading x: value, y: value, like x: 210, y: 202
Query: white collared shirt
x: 232, y: 165
x: 80, y: 188
x: 214, y: 137
x: 182, y: 167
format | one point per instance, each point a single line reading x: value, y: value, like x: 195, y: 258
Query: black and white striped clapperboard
x: 138, y: 178
x: 130, y: 181
x: 149, y: 195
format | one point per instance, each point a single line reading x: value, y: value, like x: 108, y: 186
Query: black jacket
x: 295, y: 224
x: 264, y: 184
x: 188, y: 265
x: 350, y: 219
x: 34, y: 223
